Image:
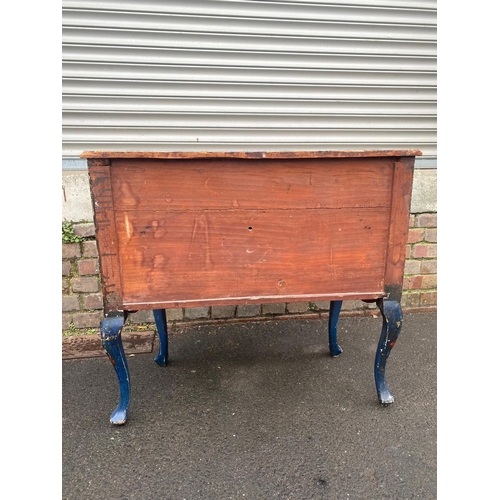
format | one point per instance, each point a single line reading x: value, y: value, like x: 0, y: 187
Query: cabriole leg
x: 161, y: 325
x: 111, y: 330
x: 333, y: 319
x: 391, y: 328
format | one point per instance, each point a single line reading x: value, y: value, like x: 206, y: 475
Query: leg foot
x: 111, y: 329
x: 333, y: 319
x: 161, y: 325
x: 391, y: 328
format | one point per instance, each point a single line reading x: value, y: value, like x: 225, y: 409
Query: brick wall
x: 82, y: 304
x: 420, y: 281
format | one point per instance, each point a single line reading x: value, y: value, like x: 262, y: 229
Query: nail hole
x: 250, y: 228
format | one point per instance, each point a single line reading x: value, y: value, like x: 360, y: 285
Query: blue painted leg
x: 111, y: 330
x: 391, y: 328
x: 333, y: 319
x: 161, y: 325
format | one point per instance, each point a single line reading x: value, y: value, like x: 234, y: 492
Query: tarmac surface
x: 258, y: 410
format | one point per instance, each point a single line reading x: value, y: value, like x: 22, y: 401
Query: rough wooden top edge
x: 249, y: 155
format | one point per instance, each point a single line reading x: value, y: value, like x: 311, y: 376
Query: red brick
x: 428, y: 298
x: 424, y: 251
x: 87, y: 319
x: 86, y: 267
x: 93, y: 301
x: 429, y: 281
x: 84, y: 229
x: 411, y: 221
x: 86, y: 285
x: 408, y: 251
x: 71, y: 250
x: 66, y: 268
x: 429, y: 267
x: 426, y: 220
x: 415, y: 282
x: 415, y: 235
x: 65, y: 286
x: 406, y: 283
x: 90, y: 248
x: 412, y: 266
x: 431, y: 235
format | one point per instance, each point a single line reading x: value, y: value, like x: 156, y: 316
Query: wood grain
x: 107, y: 241
x: 250, y: 155
x: 177, y: 257
x: 239, y: 184
x: 189, y: 229
x: 398, y: 235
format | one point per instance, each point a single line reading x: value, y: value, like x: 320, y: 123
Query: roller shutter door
x: 248, y: 75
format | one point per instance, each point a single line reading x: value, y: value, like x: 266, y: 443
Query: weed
x: 68, y: 233
x: 73, y: 331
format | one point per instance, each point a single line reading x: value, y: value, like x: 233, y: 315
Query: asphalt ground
x: 258, y: 410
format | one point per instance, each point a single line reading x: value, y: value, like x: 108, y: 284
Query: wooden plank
x: 232, y: 256
x: 236, y: 183
x: 253, y: 299
x: 219, y: 230
x: 107, y: 241
x: 249, y: 155
x: 398, y: 232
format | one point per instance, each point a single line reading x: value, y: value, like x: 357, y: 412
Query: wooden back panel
x: 211, y: 231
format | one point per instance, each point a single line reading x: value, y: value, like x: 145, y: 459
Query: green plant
x: 68, y: 233
x: 73, y: 331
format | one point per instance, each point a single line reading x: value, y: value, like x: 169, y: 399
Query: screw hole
x: 250, y: 228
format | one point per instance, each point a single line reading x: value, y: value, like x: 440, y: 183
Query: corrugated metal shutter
x: 248, y: 75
